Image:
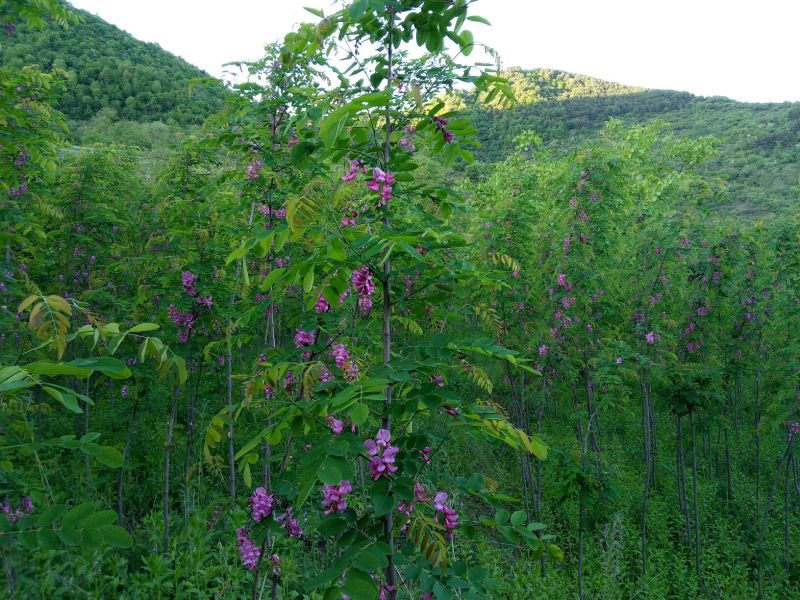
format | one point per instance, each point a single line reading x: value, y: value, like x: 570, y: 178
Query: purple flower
x: 340, y: 355
x: 248, y: 551
x: 356, y: 167
x: 290, y: 524
x: 450, y: 515
x: 438, y: 380
x: 382, y: 455
x: 254, y: 168
x: 544, y: 350
x: 336, y: 425
x: 425, y: 454
x: 261, y: 504
x: 365, y: 287
x: 276, y: 564
x: 124, y: 391
x: 651, y: 337
x: 619, y: 360
x: 304, y: 338
x: 382, y: 182
x: 335, y: 497
x: 188, y: 280
x: 322, y: 305
x: 26, y: 504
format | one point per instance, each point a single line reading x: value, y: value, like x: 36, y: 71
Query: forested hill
x: 758, y: 166
x: 108, y: 68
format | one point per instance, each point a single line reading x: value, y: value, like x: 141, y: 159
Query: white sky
x: 744, y: 49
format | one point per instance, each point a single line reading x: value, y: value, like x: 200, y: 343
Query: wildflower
x: 438, y: 380
x: 322, y: 305
x: 650, y: 337
x: 336, y: 425
x: 425, y: 454
x: 276, y: 564
x: 619, y: 360
x: 335, y: 500
x: 440, y: 123
x: 261, y: 504
x: 248, y: 551
x: 544, y: 350
x: 365, y: 287
x: 254, y: 168
x: 26, y: 504
x: 290, y: 524
x: 382, y: 455
x: 188, y: 280
x: 340, y: 355
x: 356, y: 167
x: 124, y: 391
x: 382, y: 182
x: 441, y: 508
x: 304, y: 338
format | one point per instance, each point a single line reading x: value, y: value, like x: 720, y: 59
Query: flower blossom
x: 382, y: 455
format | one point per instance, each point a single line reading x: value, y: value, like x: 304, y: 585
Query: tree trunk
x: 125, y: 450
x: 697, y: 533
x: 167, y: 451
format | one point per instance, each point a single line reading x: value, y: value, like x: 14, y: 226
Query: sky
x: 747, y: 50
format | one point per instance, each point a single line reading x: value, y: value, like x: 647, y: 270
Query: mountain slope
x: 758, y: 166
x: 108, y: 68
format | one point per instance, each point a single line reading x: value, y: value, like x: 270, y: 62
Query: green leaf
x: 518, y: 517
x: 141, y: 327
x: 359, y: 413
x: 109, y: 456
x: 308, y: 280
x: 48, y: 539
x: 116, y: 536
x: 78, y: 514
x: 359, y: 586
x: 383, y: 503
x: 67, y: 400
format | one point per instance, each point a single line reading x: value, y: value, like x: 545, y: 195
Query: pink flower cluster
x: 322, y: 305
x: 794, y: 429
x: 356, y: 167
x: 382, y: 455
x: 290, y: 524
x: 335, y: 496
x: 254, y: 168
x: 14, y: 515
x: 184, y: 320
x: 248, y: 551
x: 340, y: 355
x: 441, y: 508
x: 304, y: 338
x: 261, y: 504
x: 382, y: 182
x: 440, y: 123
x: 188, y: 280
x: 365, y: 287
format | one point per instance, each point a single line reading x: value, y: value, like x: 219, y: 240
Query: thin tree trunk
x: 697, y: 533
x: 728, y: 470
x: 125, y: 450
x: 387, y: 311
x: 580, y: 548
x: 648, y: 469
x: 167, y: 452
x: 683, y: 500
x: 229, y: 404
x: 190, y: 431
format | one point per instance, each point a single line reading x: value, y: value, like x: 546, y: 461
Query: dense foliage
x: 755, y: 173
x: 316, y: 351
x: 106, y: 68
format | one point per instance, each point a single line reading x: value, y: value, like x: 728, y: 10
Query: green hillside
x: 758, y: 165
x: 106, y: 68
